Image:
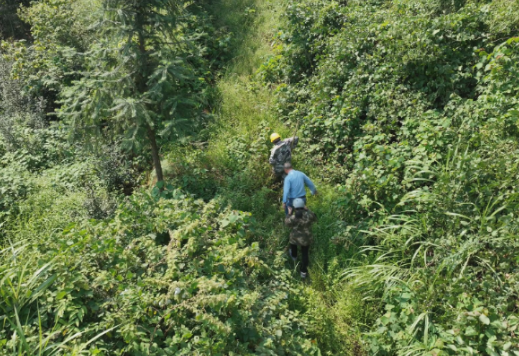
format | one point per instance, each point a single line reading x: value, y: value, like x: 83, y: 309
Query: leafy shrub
x: 363, y: 67
x: 14, y: 186
x: 18, y: 112
x: 444, y: 289
x: 60, y: 31
x: 503, y: 17
x: 116, y: 170
x: 208, y: 291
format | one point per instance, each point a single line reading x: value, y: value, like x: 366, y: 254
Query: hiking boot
x: 304, y: 275
x: 292, y: 257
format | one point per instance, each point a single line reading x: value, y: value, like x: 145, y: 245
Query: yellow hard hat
x: 274, y: 137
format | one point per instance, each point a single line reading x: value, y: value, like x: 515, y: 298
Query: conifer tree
x: 137, y: 84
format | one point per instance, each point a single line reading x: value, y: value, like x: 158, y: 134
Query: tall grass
x: 23, y: 280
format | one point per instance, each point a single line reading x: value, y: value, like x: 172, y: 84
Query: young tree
x: 138, y: 83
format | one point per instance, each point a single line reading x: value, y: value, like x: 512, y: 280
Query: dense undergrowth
x: 410, y: 107
x: 92, y: 264
x: 408, y: 114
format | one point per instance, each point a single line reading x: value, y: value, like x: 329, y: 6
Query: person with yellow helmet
x: 280, y: 154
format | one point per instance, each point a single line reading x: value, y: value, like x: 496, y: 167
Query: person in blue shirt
x: 294, y: 186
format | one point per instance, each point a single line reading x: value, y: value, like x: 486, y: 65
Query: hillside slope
x: 408, y: 116
x: 410, y: 108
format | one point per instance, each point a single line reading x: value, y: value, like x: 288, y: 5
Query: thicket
x: 407, y: 110
x: 410, y: 108
x: 171, y: 276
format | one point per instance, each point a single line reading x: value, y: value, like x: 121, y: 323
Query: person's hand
x: 316, y: 192
x: 306, y: 208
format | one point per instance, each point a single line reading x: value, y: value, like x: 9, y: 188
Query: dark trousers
x: 305, y: 260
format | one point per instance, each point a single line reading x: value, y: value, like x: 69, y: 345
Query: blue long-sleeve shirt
x: 294, y: 186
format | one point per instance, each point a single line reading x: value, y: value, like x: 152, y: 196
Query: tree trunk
x: 155, y: 154
x: 140, y: 82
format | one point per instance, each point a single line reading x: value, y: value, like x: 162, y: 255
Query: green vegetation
x: 137, y: 211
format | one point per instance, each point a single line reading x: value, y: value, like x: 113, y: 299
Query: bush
x: 14, y: 187
x: 206, y: 291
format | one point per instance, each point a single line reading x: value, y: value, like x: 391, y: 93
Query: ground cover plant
x: 112, y: 245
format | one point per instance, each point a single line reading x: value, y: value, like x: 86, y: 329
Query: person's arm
x: 309, y: 184
x: 286, y: 188
x: 293, y: 141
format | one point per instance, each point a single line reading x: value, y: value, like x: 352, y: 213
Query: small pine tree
x: 137, y: 83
